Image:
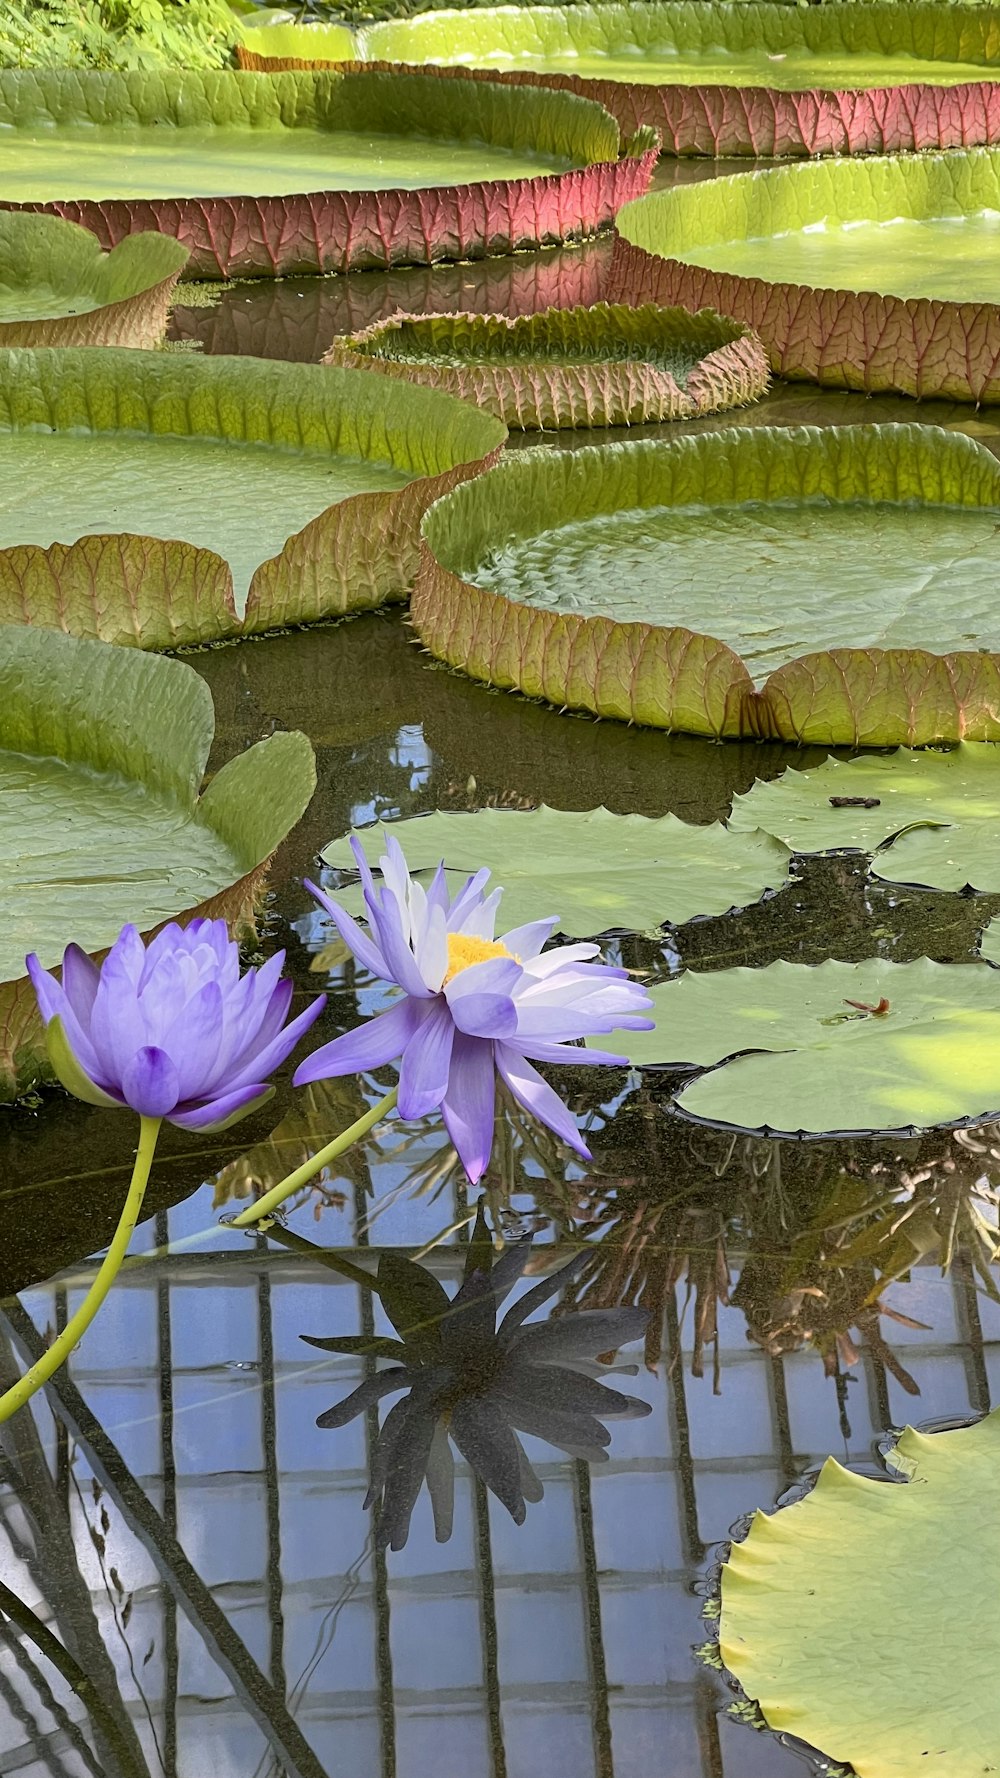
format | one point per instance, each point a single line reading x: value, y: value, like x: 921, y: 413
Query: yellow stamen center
x: 463, y: 952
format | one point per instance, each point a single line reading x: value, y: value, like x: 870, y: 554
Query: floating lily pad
x: 820, y: 585
x: 57, y: 288
x: 715, y: 79
x: 102, y: 756
x: 917, y: 1050
x: 870, y: 274
x: 597, y: 871
x: 857, y: 1617
x: 989, y: 944
x: 159, y: 500
x: 597, y: 366
x: 270, y: 175
x: 940, y: 811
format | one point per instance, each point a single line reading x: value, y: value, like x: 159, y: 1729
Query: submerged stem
x: 77, y: 1325
x: 308, y: 1170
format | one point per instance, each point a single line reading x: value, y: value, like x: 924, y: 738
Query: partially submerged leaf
x: 102, y: 755
x: 275, y: 175
x: 817, y: 1051
x: 849, y: 571
x: 596, y: 871
x: 860, y: 1618
x: 309, y: 482
x: 940, y: 811
x: 57, y: 287
x: 595, y: 366
x: 861, y: 274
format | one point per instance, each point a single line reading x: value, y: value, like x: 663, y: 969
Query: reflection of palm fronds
x: 316, y: 1114
x: 825, y: 1230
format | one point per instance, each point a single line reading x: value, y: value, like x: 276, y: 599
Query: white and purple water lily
x: 473, y: 1006
x: 171, y: 1029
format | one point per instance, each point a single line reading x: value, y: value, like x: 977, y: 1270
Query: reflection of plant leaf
x: 812, y: 1066
x: 479, y: 1253
x: 595, y: 870
x: 413, y: 1300
x: 365, y: 1345
x: 939, y: 810
x: 839, y: 1612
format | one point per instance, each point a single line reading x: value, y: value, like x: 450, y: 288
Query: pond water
x: 174, y: 1514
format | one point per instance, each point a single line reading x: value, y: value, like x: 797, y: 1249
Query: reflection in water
x: 477, y: 1385
x: 174, y: 1516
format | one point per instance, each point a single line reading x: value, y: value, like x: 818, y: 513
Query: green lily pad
x: 57, y: 288
x: 697, y: 44
x: 850, y: 572
x: 862, y: 274
x: 265, y: 175
x: 583, y: 367
x: 858, y: 1616
x: 936, y: 815
x: 597, y: 871
x: 102, y: 756
x: 154, y: 499
x: 277, y: 34
x: 805, y: 1062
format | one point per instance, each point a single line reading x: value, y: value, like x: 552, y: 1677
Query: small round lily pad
x: 602, y: 366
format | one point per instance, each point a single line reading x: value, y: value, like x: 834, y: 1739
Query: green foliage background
x: 115, y: 33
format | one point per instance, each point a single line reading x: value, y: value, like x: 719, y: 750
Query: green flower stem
x: 77, y: 1325
x: 308, y: 1170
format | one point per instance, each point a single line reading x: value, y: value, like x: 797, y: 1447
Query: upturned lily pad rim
x: 602, y: 365
x: 671, y: 676
x: 37, y: 246
x: 142, y: 719
x: 424, y: 432
x: 413, y: 102
x: 553, y: 29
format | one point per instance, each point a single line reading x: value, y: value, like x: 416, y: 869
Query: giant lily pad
x: 940, y: 811
x: 815, y: 585
x: 102, y: 755
x: 58, y: 289
x: 598, y: 366
x: 875, y: 274
x: 270, y: 175
x: 597, y: 871
x: 718, y: 79
x: 833, y: 1048
x: 860, y: 1618
x: 161, y: 500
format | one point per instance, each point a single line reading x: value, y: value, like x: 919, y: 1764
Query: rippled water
x: 175, y: 1516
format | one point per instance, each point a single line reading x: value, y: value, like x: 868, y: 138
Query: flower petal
x: 353, y: 935
x: 150, y: 1082
x: 469, y: 1104
x: 230, y: 1108
x: 68, y: 1069
x: 525, y: 942
x: 424, y: 1070
x: 441, y: 1483
x: 537, y: 1097
x: 580, y: 1335
x: 483, y: 1435
x: 262, y: 1063
x: 80, y: 978
x: 480, y: 998
x: 366, y: 1395
x: 379, y: 1040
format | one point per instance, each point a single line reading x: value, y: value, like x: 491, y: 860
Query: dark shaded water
x: 176, y: 1517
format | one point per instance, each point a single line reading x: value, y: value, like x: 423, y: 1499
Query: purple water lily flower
x: 171, y: 1029
x: 478, y: 1386
x: 473, y: 1006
